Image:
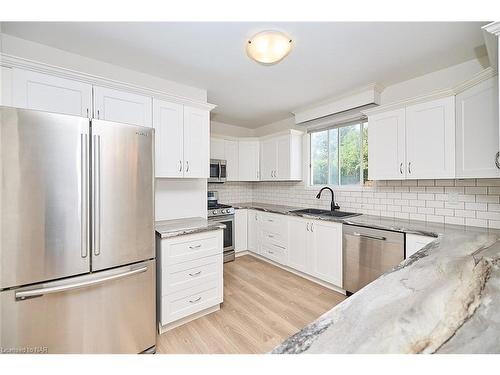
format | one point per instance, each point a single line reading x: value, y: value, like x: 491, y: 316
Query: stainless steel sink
x: 318, y: 212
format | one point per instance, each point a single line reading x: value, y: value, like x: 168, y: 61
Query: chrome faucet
x: 333, y: 205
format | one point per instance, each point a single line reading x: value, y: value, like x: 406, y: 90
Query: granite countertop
x: 443, y: 299
x: 179, y: 227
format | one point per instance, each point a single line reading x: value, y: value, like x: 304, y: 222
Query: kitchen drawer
x: 274, y: 252
x: 178, y: 305
x: 275, y: 223
x: 186, y: 275
x: 191, y: 247
x: 273, y: 238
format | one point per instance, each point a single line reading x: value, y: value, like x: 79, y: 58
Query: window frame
x: 362, y: 185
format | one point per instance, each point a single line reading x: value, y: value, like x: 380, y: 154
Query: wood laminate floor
x: 263, y: 305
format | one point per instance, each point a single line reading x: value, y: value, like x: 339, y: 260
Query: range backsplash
x: 474, y: 202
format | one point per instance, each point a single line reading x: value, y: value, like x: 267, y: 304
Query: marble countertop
x: 179, y: 227
x: 443, y: 299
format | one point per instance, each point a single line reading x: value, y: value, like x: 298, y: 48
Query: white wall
x: 220, y: 128
x: 179, y: 198
x: 39, y: 52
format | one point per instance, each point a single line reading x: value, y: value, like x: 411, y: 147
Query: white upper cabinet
x: 430, y: 139
x: 231, y: 156
x: 281, y: 157
x: 248, y: 160
x: 169, y: 135
x: 45, y: 92
x: 5, y: 86
x: 181, y: 140
x: 196, y: 142
x: 415, y: 142
x: 217, y: 148
x: 477, y: 131
x: 386, y: 150
x: 121, y: 106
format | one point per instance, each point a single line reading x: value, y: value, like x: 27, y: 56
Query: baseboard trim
x: 294, y: 271
x: 187, y: 319
x: 241, y: 253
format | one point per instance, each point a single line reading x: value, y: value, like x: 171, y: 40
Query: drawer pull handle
x: 270, y: 236
x: 195, y: 300
x: 270, y: 252
x: 271, y: 221
x: 281, y: 247
x: 195, y: 274
x: 195, y: 246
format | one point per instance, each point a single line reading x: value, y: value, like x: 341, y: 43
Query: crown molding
x: 11, y: 61
x: 492, y: 28
x: 476, y: 79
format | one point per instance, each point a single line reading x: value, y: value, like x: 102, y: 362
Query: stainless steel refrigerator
x: 77, y: 256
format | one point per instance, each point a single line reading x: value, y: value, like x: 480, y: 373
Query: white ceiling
x: 327, y: 60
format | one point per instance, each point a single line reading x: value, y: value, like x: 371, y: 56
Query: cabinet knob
x: 401, y: 168
x: 497, y: 162
x: 409, y: 167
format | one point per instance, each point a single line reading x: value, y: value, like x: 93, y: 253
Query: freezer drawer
x: 105, y: 312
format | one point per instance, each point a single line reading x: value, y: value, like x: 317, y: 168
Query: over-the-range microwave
x: 217, y: 170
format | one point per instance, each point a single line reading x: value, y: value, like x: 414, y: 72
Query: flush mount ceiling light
x: 269, y: 47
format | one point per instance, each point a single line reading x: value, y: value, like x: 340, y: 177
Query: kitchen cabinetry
x: 122, y: 106
x: 196, y: 142
x: 181, y: 140
x: 231, y: 157
x: 240, y: 229
x: 386, y: 151
x: 217, y: 150
x: 430, y: 139
x: 248, y: 161
x: 415, y: 142
x: 5, y: 86
x: 189, y: 277
x: 273, y: 242
x: 316, y: 249
x: 415, y: 242
x: 38, y: 91
x: 169, y: 139
x: 281, y: 157
x: 254, y: 226
x: 477, y: 131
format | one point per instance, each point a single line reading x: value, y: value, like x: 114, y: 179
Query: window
x: 339, y: 155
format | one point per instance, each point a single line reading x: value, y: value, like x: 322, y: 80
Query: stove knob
x: 228, y: 211
x: 214, y: 212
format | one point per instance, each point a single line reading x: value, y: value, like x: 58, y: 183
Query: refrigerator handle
x: 82, y: 284
x: 85, y: 196
x: 96, y: 196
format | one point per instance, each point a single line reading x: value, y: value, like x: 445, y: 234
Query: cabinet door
x: 168, y: 121
x: 386, y: 151
x: 477, y: 130
x: 231, y: 153
x: 5, y: 86
x: 430, y: 139
x: 240, y: 230
x: 268, y: 156
x: 248, y: 160
x: 327, y: 251
x: 217, y: 148
x: 253, y: 231
x: 44, y: 92
x: 120, y: 106
x: 298, y: 245
x: 282, y: 158
x: 196, y: 142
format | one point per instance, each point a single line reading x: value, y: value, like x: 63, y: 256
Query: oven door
x: 228, y: 220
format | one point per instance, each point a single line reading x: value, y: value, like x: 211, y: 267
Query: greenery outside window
x: 339, y: 155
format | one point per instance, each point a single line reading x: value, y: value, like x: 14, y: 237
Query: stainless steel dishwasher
x: 368, y: 253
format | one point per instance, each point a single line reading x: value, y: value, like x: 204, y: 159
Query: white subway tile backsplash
x: 470, y: 201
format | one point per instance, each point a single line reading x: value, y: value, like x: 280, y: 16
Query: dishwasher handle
x: 380, y: 238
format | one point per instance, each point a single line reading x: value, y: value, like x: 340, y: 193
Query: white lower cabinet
x: 240, y: 230
x: 189, y: 277
x: 313, y: 247
x: 415, y: 242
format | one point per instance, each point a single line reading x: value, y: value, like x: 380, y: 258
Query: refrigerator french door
x: 77, y: 268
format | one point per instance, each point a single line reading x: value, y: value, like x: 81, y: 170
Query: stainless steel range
x: 223, y: 214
